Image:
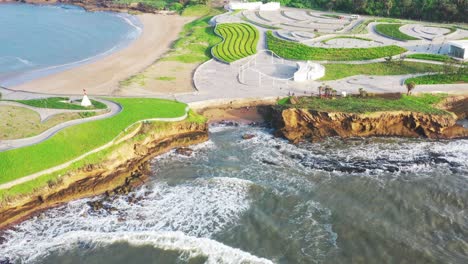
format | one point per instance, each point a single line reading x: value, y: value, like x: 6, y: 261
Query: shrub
x: 299, y: 51
x: 239, y: 41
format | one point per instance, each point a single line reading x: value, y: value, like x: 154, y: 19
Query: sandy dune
x: 102, y: 76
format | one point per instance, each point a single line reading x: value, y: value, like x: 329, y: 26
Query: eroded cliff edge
x: 298, y: 124
x: 116, y: 171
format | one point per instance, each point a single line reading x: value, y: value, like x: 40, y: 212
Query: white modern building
x: 458, y: 49
x: 272, y: 6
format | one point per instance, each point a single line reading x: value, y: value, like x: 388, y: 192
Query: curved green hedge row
x: 240, y: 41
x: 299, y: 51
x: 393, y: 31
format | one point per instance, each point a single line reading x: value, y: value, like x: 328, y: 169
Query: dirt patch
x: 19, y: 122
x: 163, y: 77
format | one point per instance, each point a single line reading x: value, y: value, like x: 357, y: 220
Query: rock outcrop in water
x: 303, y: 124
x: 116, y: 174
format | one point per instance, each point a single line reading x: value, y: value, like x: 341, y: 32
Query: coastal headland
x: 124, y: 164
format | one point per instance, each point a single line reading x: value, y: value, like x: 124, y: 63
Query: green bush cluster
x: 439, y: 79
x: 393, y: 31
x: 352, y: 104
x: 299, y: 51
x: 334, y: 71
x: 74, y: 141
x: 432, y: 57
x: 240, y: 41
x: 60, y: 103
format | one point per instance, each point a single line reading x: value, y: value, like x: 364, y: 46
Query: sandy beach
x: 102, y: 76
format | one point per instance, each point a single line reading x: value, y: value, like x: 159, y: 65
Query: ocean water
x: 40, y: 40
x: 376, y: 200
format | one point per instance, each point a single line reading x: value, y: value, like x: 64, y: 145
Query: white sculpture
x: 308, y: 71
x: 85, y: 101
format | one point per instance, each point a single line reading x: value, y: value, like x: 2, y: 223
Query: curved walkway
x: 46, y: 113
x: 23, y: 142
x: 117, y: 139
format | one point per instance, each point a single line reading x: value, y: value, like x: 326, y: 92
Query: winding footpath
x: 116, y: 140
x: 23, y: 142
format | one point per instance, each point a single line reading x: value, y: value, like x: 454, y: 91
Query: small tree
x: 388, y: 59
x: 320, y: 90
x: 410, y: 87
x: 334, y: 93
x: 362, y: 92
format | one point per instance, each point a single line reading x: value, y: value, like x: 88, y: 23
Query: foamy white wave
x: 200, y: 208
x: 22, y: 60
x: 128, y: 20
x: 220, y: 128
x: 204, y: 146
x: 214, y: 251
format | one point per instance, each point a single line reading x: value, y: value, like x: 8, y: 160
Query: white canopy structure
x: 85, y: 101
x: 308, y: 71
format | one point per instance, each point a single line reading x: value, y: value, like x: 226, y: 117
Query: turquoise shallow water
x: 376, y: 200
x: 39, y: 40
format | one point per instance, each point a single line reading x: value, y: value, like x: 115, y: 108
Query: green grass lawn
x: 331, y: 16
x: 393, y: 31
x: 196, y: 10
x: 195, y: 41
x: 60, y: 103
x: 166, y: 78
x: 95, y: 158
x: 346, y: 37
x: 299, y: 51
x: 341, y: 70
x: 240, y: 41
x: 362, y: 28
x: 352, y: 104
x: 439, y: 79
x: 432, y: 57
x: 77, y: 140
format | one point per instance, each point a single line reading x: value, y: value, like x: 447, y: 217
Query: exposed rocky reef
x: 117, y: 173
x: 304, y: 124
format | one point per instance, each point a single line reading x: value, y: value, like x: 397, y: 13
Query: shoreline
x: 111, y: 175
x: 19, y: 78
x: 102, y: 75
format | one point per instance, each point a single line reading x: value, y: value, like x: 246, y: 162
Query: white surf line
x: 68, y: 163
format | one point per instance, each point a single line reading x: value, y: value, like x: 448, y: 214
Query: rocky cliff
x: 124, y: 167
x: 303, y: 124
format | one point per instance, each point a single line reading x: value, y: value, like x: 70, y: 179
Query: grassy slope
x: 196, y: 40
x: 299, y: 51
x: 94, y: 158
x: 338, y: 71
x: 422, y: 104
x: 439, y: 79
x: 19, y: 122
x: 77, y: 140
x: 432, y: 57
x: 57, y: 103
x: 345, y: 37
x: 240, y: 41
x: 393, y: 31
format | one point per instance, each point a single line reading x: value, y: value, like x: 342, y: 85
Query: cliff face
x: 117, y: 173
x: 303, y: 124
